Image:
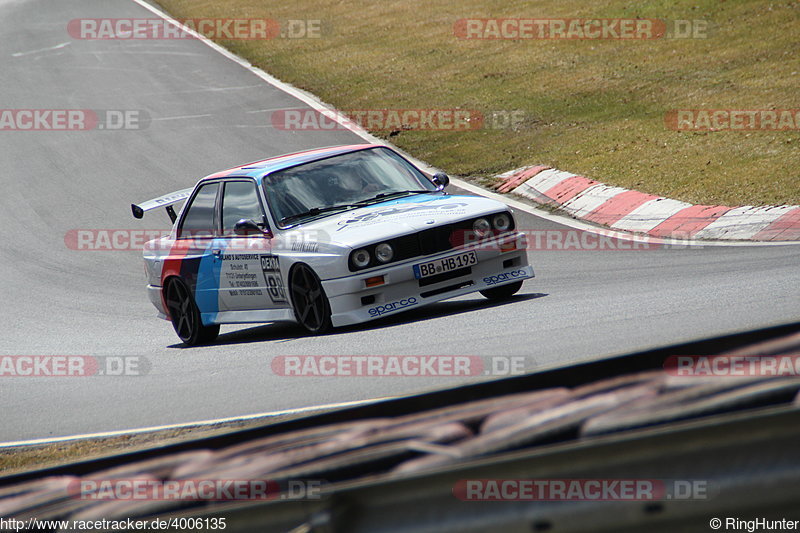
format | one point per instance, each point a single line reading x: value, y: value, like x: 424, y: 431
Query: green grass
x: 593, y: 107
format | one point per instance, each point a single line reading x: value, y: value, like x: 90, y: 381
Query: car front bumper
x: 353, y: 302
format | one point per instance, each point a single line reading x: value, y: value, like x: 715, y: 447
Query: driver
x: 349, y: 187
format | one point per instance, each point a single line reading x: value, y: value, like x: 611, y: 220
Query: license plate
x: 445, y: 264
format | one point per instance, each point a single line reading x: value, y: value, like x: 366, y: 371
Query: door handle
x: 216, y: 252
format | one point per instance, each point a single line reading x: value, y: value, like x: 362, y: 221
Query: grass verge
x: 593, y: 107
x: 36, y: 456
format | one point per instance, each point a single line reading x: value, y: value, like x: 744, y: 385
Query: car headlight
x: 502, y: 222
x: 481, y: 227
x: 384, y: 252
x: 361, y: 258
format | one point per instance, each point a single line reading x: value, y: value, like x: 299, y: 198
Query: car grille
x: 426, y: 242
x: 435, y: 240
x: 430, y: 241
x: 406, y: 247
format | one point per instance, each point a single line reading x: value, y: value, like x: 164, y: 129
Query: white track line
x: 329, y: 111
x: 56, y: 47
x: 120, y: 433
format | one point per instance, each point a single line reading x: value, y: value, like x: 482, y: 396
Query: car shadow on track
x: 288, y: 332
x: 436, y: 310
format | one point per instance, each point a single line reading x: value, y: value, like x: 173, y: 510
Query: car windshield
x: 357, y: 177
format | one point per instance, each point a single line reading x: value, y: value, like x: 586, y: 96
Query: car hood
x: 398, y: 217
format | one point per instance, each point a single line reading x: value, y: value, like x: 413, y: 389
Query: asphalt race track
x: 208, y: 113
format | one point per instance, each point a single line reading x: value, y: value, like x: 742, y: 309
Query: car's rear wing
x: 165, y: 201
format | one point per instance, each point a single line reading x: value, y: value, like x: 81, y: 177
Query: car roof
x: 258, y: 169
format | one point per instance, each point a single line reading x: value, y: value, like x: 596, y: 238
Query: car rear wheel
x: 502, y: 292
x: 185, y: 316
x: 311, y: 307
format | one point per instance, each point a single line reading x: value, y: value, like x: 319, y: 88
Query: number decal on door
x: 270, y: 265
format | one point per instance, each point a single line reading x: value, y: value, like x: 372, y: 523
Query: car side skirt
x: 258, y: 316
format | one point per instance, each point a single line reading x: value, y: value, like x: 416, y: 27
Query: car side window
x: 199, y: 218
x: 240, y: 201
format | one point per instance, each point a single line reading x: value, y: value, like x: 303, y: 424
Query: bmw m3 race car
x: 325, y: 238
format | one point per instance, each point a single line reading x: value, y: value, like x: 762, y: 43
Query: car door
x: 195, y: 249
x: 250, y: 274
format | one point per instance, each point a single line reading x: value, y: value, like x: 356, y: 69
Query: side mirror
x: 441, y: 180
x: 246, y: 227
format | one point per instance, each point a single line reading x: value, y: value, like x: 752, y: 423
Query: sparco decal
x: 270, y: 265
x: 505, y: 276
x: 399, y: 210
x: 394, y: 306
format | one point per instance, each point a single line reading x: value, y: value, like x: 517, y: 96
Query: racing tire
x: 502, y: 292
x: 185, y: 315
x: 311, y: 307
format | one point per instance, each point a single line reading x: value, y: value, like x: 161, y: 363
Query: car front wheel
x: 311, y: 307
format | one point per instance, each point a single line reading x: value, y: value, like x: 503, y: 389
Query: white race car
x: 324, y: 238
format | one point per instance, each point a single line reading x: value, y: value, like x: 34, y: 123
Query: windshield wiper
x: 385, y: 195
x: 316, y: 211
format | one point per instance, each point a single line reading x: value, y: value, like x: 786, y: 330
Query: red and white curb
x: 637, y: 212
